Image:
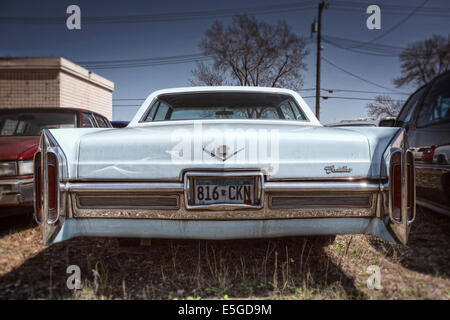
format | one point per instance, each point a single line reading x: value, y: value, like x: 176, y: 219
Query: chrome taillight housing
x: 37, y: 188
x: 46, y: 186
x: 402, y: 186
x: 52, y: 173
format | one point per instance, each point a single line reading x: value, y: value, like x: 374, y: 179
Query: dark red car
x: 428, y: 154
x: 19, y: 138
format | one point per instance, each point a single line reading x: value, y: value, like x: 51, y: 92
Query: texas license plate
x: 224, y: 190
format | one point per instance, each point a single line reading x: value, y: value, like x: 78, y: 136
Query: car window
x: 101, y: 121
x: 287, y: 111
x: 228, y: 105
x: 297, y: 112
x: 31, y: 123
x: 436, y: 106
x: 151, y: 113
x: 107, y: 123
x: 88, y: 121
x: 410, y: 106
x: 161, y: 111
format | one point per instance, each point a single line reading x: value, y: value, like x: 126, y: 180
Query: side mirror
x: 386, y: 123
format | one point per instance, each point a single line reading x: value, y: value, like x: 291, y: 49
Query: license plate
x: 224, y: 190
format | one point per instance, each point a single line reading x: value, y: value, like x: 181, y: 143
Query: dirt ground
x: 288, y: 268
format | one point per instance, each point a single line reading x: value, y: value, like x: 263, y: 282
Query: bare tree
x: 205, y: 75
x: 384, y: 106
x: 252, y: 53
x: 423, y: 60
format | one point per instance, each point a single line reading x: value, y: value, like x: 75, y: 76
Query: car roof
x: 200, y: 89
x: 224, y: 89
x: 43, y: 109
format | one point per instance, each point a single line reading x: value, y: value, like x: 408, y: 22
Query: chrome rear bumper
x: 16, y: 192
x: 220, y: 230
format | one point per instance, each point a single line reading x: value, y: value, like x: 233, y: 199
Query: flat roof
x: 58, y: 63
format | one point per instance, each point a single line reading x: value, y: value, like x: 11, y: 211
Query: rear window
x: 219, y: 105
x: 31, y: 123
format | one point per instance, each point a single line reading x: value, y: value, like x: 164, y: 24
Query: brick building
x: 53, y: 82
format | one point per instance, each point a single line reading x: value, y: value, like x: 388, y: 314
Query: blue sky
x: 169, y: 38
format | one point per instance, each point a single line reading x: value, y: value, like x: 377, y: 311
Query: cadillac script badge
x: 332, y: 169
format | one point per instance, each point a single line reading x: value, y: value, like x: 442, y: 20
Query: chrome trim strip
x: 44, y: 176
x: 16, y: 182
x: 179, y: 187
x: 391, y: 197
x: 404, y: 189
x: 324, y: 179
x: 321, y: 186
x: 35, y: 188
x: 122, y: 187
x: 413, y: 185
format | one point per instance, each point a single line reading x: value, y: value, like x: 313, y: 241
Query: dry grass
x: 288, y: 268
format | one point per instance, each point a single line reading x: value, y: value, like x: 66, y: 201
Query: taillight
x: 52, y: 187
x: 37, y: 188
x: 396, y: 175
x: 410, y: 178
x: 396, y: 179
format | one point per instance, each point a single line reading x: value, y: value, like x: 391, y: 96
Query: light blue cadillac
x: 224, y: 163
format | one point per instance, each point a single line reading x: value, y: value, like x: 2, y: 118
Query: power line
x: 146, y: 62
x: 350, y: 98
x: 359, y: 51
x: 168, y: 16
x: 390, y: 9
x: 306, y: 89
x: 354, y: 75
x: 305, y: 97
x: 393, y: 27
x: 345, y: 98
x: 95, y: 62
x: 364, y: 91
x: 375, y: 50
x: 218, y: 13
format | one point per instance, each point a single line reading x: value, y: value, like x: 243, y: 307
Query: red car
x: 20, y: 130
x: 428, y: 154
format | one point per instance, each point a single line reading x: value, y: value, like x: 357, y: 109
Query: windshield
x: 219, y: 105
x: 30, y: 123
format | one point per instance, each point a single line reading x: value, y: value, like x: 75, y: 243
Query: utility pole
x: 319, y: 31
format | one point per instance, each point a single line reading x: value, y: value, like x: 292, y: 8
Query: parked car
x: 119, y: 123
x: 426, y: 118
x: 428, y: 154
x: 20, y: 130
x: 224, y: 163
x: 442, y: 154
x: 419, y: 152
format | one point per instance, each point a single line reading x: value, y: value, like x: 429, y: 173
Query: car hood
x: 282, y: 151
x: 12, y: 147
